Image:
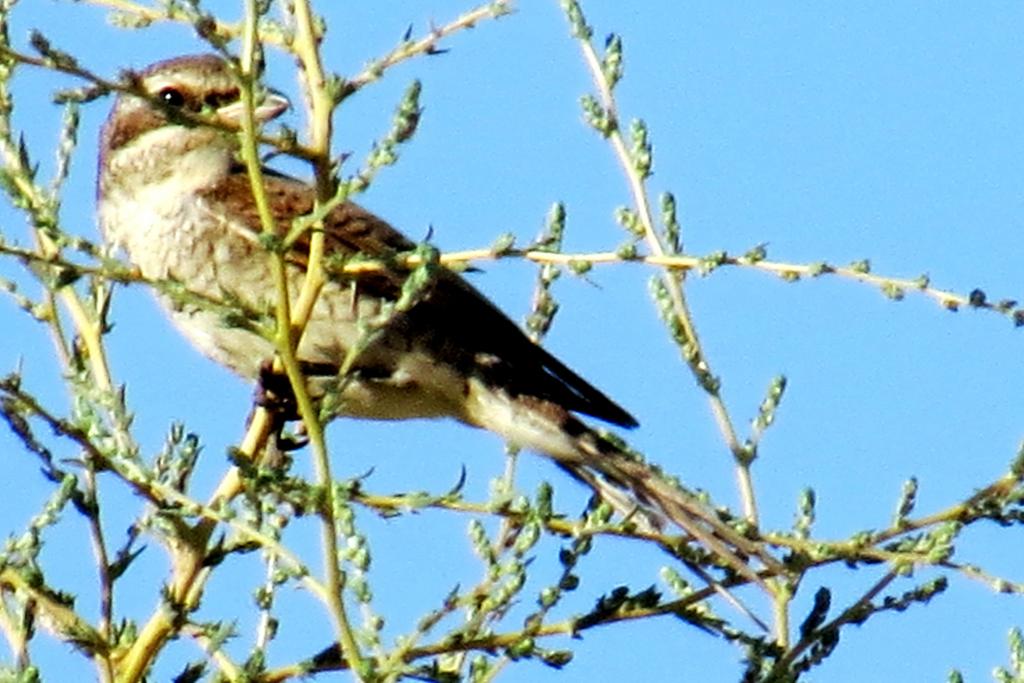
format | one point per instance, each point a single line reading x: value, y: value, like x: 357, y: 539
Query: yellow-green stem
x: 322, y: 107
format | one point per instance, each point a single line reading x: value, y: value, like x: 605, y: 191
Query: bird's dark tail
x: 636, y: 490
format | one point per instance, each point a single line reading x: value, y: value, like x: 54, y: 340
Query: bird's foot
x: 274, y: 394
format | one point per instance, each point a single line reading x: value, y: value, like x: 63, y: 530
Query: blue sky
x: 831, y: 132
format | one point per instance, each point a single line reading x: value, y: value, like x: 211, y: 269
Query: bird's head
x: 181, y: 121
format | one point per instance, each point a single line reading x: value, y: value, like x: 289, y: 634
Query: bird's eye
x: 172, y: 97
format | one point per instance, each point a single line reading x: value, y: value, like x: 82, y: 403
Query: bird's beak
x: 270, y: 107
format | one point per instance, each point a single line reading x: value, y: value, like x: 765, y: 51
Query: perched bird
x: 174, y: 195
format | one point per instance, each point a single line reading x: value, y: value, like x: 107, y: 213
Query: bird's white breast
x: 155, y: 205
x: 151, y: 205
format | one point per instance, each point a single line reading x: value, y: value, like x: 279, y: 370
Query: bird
x: 173, y: 194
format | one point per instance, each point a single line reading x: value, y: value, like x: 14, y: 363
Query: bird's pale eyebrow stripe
x: 157, y: 83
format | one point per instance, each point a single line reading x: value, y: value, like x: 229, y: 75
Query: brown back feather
x: 450, y: 317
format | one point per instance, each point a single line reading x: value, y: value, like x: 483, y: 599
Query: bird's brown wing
x: 449, y: 317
